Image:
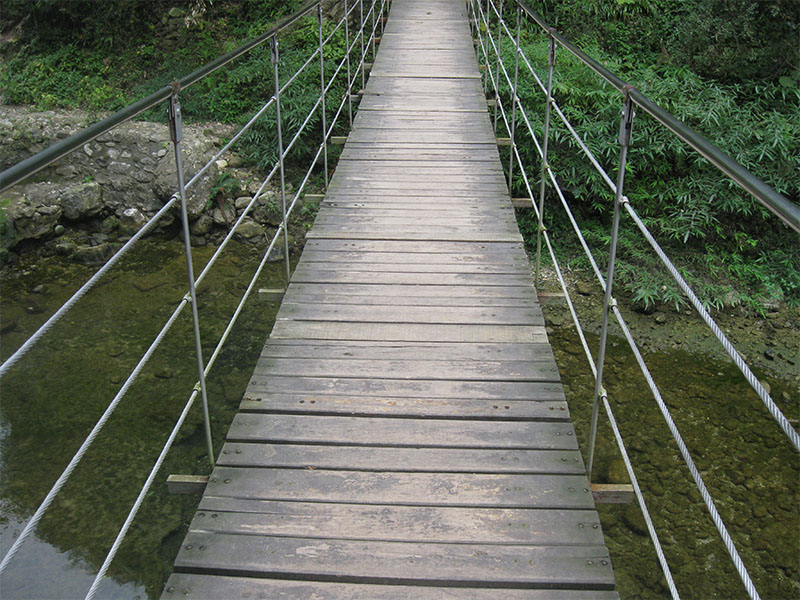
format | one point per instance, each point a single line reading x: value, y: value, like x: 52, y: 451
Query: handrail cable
x: 617, y: 435
x: 662, y: 406
x: 34, y: 520
x: 218, y: 349
x: 730, y: 350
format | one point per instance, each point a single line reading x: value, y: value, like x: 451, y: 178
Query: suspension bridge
x: 405, y: 424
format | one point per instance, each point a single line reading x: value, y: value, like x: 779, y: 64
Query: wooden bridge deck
x: 405, y: 424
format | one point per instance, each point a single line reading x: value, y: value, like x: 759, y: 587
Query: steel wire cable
x: 738, y: 563
x: 38, y: 514
x: 757, y: 386
x: 716, y: 518
x: 212, y: 360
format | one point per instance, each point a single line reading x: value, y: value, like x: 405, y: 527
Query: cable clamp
x: 197, y: 387
x: 624, y: 200
x: 612, y: 302
x: 188, y: 298
x: 602, y: 393
x: 543, y: 229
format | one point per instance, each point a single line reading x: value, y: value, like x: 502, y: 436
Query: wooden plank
x: 433, y: 247
x: 409, y: 369
x: 414, y: 292
x: 306, y: 273
x: 367, y: 300
x: 402, y: 460
x: 482, y: 260
x: 430, y: 408
x: 565, y: 492
x: 399, y: 523
x: 613, y: 493
x: 186, y: 484
x: 418, y: 433
x: 405, y: 388
x: 467, y: 315
x: 400, y: 332
x: 212, y: 587
x: 407, y: 351
x: 397, y: 562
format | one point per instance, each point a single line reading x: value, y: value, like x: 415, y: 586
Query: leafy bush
x: 690, y: 207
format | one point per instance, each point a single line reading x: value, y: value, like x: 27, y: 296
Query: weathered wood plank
x: 399, y: 523
x: 565, y: 492
x: 321, y: 350
x: 194, y: 587
x: 402, y: 460
x: 405, y: 388
x: 397, y: 562
x: 430, y: 408
x: 401, y: 332
x: 483, y: 261
x: 419, y: 433
x: 410, y: 314
x: 433, y: 247
x: 409, y: 369
x: 210, y: 587
x: 307, y: 273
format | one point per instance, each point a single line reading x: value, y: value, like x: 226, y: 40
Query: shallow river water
x: 53, y: 397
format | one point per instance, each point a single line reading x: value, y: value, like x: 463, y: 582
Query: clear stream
x: 52, y: 398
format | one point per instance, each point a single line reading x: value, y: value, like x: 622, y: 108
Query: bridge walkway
x: 405, y: 424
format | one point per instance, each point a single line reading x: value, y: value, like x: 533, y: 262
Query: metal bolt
x: 238, y: 452
x: 186, y: 591
x: 595, y: 526
x: 227, y: 481
x: 201, y: 514
x: 188, y: 546
x: 214, y: 515
x: 202, y: 547
x: 170, y: 589
x: 589, y: 562
x: 603, y: 562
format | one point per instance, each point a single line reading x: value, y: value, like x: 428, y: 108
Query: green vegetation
x: 729, y: 69
x: 111, y: 54
x: 725, y: 243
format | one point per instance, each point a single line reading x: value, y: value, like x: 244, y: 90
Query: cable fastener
x: 612, y: 302
x: 624, y: 200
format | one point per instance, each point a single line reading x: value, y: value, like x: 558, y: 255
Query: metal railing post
x: 497, y: 63
x: 372, y: 30
x: 275, y: 59
x: 551, y: 61
x: 176, y: 133
x: 515, y: 100
x: 626, y: 124
x: 322, y: 98
x: 363, y: 55
x: 487, y: 70
x: 347, y: 60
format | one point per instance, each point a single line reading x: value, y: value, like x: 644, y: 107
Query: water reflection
x: 53, y: 397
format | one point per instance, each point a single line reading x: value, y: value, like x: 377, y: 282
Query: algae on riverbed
x: 747, y: 463
x: 53, y: 397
